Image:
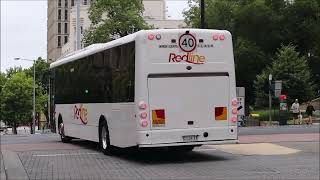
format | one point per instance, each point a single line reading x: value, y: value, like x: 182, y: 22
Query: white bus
x: 154, y: 88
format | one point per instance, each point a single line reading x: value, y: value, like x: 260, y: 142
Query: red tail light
x: 234, y: 102
x: 150, y: 36
x: 142, y: 105
x: 158, y: 117
x: 234, y: 111
x: 143, y: 115
x: 234, y: 119
x: 144, y: 123
x: 220, y: 113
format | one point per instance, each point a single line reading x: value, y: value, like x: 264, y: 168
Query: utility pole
x: 202, y: 25
x: 78, y: 41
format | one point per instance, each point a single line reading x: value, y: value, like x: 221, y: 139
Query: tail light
x: 158, y: 117
x: 220, y: 113
x: 234, y: 111
x: 143, y: 115
x: 234, y: 104
x: 234, y: 119
x: 144, y: 123
x: 142, y: 105
x: 150, y: 36
x: 222, y: 37
x: 215, y: 37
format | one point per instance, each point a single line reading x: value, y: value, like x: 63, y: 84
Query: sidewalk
x: 2, y: 169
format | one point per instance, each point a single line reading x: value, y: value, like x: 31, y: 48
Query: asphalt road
x: 43, y: 156
x: 46, y: 138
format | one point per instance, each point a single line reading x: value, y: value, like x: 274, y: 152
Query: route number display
x: 187, y: 42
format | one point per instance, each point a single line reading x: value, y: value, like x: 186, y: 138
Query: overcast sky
x: 24, y: 29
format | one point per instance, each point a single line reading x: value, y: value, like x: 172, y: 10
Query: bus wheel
x: 64, y: 138
x: 104, y: 138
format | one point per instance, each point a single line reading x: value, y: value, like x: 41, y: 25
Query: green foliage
x: 294, y: 72
x: 3, y: 80
x: 259, y: 28
x: 112, y: 19
x: 16, y: 101
x: 250, y: 60
x: 12, y: 70
x: 42, y: 74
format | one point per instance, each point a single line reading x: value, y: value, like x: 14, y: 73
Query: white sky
x: 24, y: 29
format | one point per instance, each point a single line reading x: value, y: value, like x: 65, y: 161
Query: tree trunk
x: 14, y: 128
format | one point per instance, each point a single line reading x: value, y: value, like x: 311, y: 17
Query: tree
x: 112, y: 19
x: 16, y: 100
x: 3, y: 80
x: 12, y: 70
x: 218, y: 14
x: 42, y: 73
x: 250, y: 60
x: 294, y: 72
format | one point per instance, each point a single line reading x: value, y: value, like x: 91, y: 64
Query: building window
x: 72, y: 2
x: 66, y: 3
x: 59, y: 28
x: 65, y: 28
x: 65, y: 39
x: 59, y: 41
x: 59, y: 14
x: 66, y: 15
x: 59, y: 3
x: 85, y: 2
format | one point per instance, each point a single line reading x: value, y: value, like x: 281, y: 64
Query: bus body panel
x: 84, y: 125
x: 188, y: 102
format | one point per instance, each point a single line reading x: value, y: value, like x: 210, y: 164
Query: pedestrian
x: 309, y: 112
x: 295, y: 108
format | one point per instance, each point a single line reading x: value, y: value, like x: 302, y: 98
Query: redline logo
x: 80, y: 113
x: 189, y: 58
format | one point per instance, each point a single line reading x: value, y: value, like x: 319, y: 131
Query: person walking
x: 309, y: 112
x: 295, y: 108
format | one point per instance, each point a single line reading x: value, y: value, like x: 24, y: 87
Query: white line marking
x: 53, y: 155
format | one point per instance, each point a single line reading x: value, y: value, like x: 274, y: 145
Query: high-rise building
x: 62, y: 23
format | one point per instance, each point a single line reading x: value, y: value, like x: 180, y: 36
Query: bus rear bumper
x: 189, y: 143
x: 176, y: 137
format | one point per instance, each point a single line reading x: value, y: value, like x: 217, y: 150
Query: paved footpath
x: 270, y: 156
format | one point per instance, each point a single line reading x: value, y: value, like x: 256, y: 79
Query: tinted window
x: 104, y: 77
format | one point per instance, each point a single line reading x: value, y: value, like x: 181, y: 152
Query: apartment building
x: 62, y: 23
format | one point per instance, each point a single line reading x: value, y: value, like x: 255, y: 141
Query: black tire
x: 64, y: 138
x: 104, y: 139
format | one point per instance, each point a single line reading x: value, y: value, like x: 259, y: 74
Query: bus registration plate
x: 190, y: 138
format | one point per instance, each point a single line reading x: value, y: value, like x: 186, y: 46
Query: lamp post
x: 202, y: 9
x: 270, y: 79
x: 34, y: 92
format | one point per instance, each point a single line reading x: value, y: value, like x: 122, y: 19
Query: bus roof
x: 94, y: 48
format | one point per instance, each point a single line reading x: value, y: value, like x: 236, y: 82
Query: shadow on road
x: 155, y: 155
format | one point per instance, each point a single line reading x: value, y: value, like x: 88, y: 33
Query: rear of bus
x: 185, y: 91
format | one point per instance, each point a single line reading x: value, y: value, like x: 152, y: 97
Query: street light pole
x: 34, y: 93
x: 270, y: 79
x: 202, y: 23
